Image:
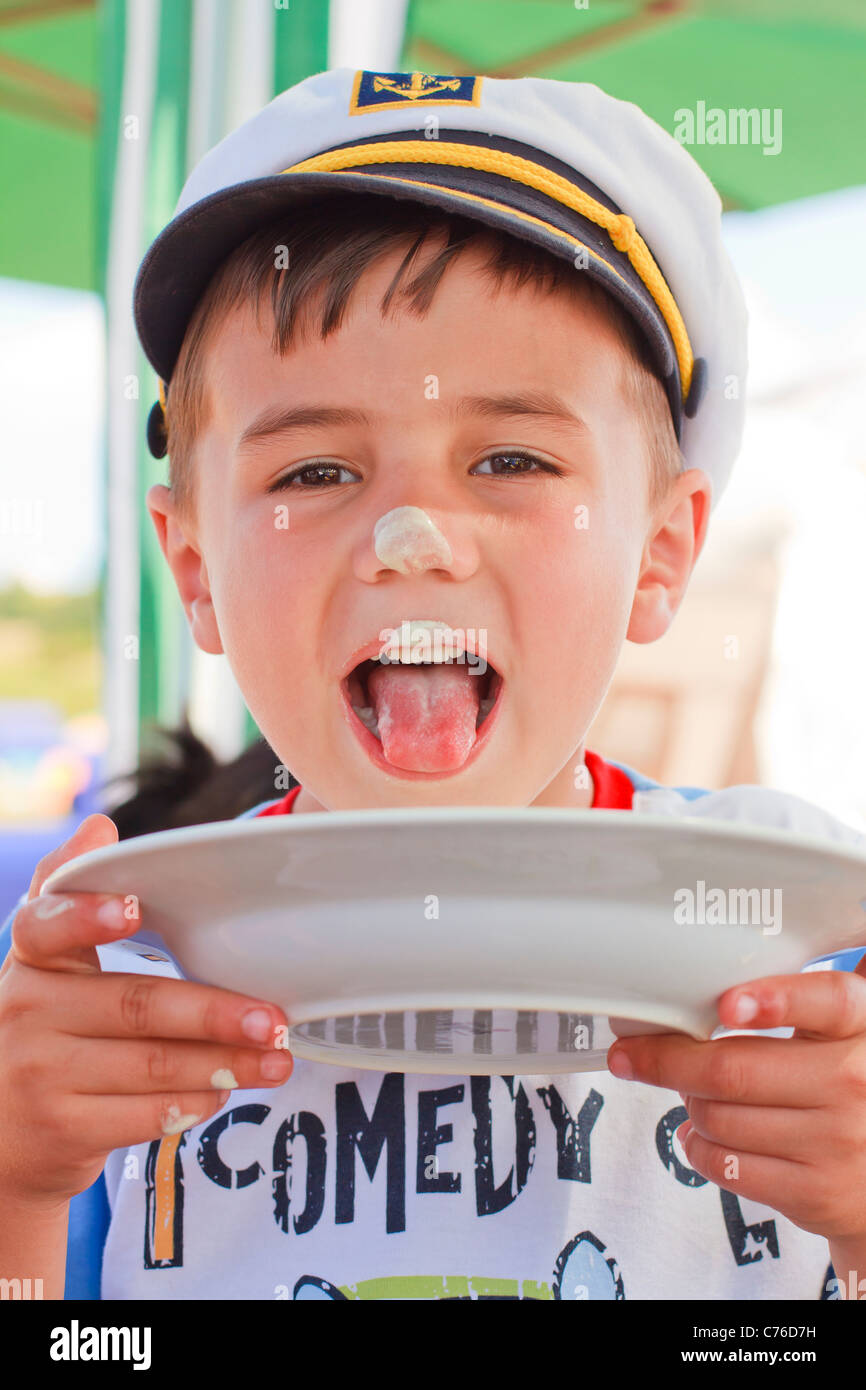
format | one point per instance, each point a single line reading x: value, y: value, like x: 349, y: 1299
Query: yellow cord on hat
x: 619, y: 226
x: 623, y: 234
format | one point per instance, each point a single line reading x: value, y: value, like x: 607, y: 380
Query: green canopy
x: 806, y: 60
x: 49, y: 104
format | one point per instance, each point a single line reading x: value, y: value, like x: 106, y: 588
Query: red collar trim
x: 283, y: 807
x: 612, y: 789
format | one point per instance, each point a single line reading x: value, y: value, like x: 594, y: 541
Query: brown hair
x: 181, y: 782
x: 326, y: 247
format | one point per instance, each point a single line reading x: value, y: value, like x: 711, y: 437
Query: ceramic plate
x: 497, y: 940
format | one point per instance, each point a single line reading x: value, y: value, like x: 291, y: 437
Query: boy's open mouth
x: 425, y: 716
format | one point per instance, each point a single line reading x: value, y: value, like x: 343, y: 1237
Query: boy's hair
x: 181, y: 782
x: 326, y: 247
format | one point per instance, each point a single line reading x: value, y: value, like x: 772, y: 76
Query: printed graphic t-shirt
x: 356, y: 1184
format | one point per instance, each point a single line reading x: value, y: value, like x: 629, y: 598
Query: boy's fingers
x: 58, y: 931
x: 145, y: 1066
x: 821, y: 1003
x: 754, y: 1071
x: 93, y: 832
x: 116, y: 1005
x: 139, y: 1119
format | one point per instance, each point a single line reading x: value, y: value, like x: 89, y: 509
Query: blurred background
x: 105, y: 105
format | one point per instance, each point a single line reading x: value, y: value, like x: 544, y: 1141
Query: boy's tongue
x: 426, y: 714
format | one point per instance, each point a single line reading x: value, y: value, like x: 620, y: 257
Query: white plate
x: 482, y: 940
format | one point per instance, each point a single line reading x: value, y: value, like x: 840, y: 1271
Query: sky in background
x: 52, y: 370
x: 805, y: 280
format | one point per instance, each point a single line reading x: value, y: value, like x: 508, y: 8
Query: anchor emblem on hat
x: 420, y: 85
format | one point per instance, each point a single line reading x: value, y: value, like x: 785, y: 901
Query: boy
x: 522, y: 273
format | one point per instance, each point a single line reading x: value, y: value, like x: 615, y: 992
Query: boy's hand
x: 91, y: 1062
x: 781, y: 1121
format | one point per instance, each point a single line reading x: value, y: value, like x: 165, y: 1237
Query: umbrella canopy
x: 49, y: 102
x: 802, y: 60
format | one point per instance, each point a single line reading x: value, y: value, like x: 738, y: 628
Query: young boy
x: 477, y: 367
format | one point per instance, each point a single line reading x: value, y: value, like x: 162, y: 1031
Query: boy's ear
x: 674, y: 542
x: 188, y: 567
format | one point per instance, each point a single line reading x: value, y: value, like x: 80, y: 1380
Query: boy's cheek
x: 261, y: 561
x: 267, y: 633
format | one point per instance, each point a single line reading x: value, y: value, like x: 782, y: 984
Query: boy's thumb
x: 94, y: 832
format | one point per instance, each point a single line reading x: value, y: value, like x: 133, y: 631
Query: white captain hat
x: 562, y: 164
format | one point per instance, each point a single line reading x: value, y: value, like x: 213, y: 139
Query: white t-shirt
x: 361, y: 1184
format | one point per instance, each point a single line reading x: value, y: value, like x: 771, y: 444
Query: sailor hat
x: 562, y: 164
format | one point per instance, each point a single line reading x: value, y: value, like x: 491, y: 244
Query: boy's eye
x: 512, y: 457
x: 324, y: 475
x: 312, y: 475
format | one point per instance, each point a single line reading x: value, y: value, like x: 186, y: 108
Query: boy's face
x: 551, y: 570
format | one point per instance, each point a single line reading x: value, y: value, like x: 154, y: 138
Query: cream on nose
x: 408, y: 540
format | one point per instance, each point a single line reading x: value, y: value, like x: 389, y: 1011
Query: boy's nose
x: 408, y: 540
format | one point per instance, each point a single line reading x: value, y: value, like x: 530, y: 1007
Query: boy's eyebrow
x: 284, y: 419
x: 544, y: 404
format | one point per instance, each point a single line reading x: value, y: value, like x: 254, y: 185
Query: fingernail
x: 175, y: 1123
x: 111, y: 915
x: 223, y: 1097
x: 275, y: 1066
x: 745, y: 1008
x: 50, y: 908
x: 257, y: 1025
x: 619, y: 1064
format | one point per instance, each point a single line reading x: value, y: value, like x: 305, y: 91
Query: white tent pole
x: 366, y: 34
x: 222, y: 96
x: 123, y: 417
x: 208, y: 61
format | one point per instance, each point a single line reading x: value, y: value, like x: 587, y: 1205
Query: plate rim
x: 402, y: 819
